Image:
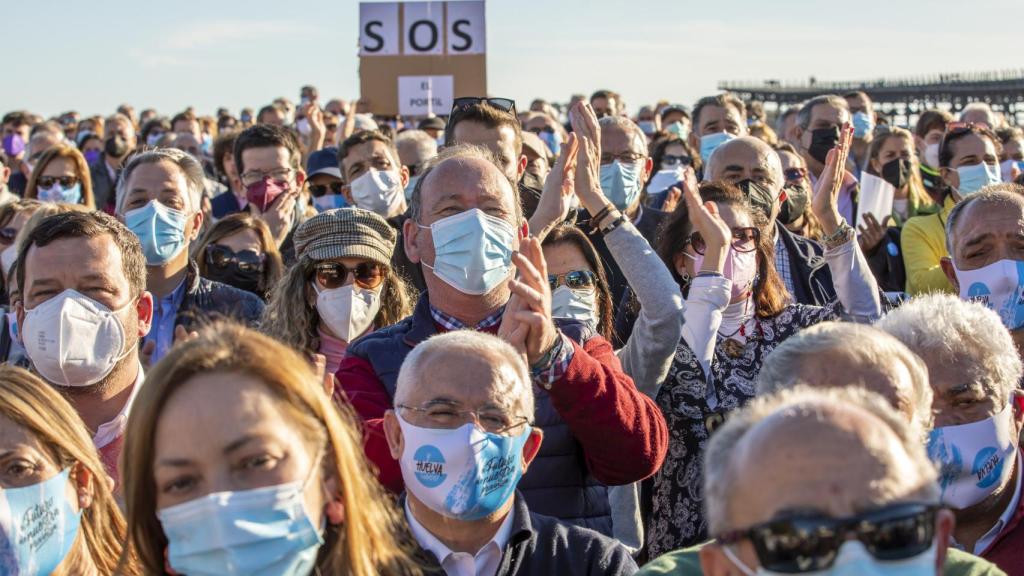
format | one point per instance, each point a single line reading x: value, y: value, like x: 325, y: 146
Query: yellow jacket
x: 924, y: 243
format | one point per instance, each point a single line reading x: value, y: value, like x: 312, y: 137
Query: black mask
x: 243, y: 270
x: 896, y: 172
x: 759, y: 197
x: 792, y: 208
x: 115, y: 146
x: 823, y: 140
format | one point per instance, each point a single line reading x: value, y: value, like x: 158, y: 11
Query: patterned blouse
x: 691, y: 407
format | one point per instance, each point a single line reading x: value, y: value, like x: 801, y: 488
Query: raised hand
x: 588, y: 176
x: 531, y: 303
x: 675, y: 193
x: 717, y: 235
x: 584, y: 123
x: 559, y: 191
x: 871, y: 232
x: 278, y: 216
x: 825, y: 204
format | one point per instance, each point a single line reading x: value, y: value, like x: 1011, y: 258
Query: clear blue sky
x: 92, y: 55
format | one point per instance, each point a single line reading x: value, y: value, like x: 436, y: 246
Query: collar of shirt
x: 110, y: 431
x: 985, y: 541
x: 484, y: 563
x: 639, y: 215
x: 451, y: 323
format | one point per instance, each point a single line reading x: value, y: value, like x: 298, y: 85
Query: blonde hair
x: 364, y: 546
x: 915, y: 185
x: 36, y: 406
x: 81, y: 172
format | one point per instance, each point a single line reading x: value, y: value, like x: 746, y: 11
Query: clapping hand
x: 705, y: 219
x: 825, y: 204
x: 559, y: 191
x: 527, y: 323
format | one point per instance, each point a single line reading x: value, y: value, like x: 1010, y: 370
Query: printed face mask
x: 348, y: 311
x: 620, y: 182
x: 160, y: 229
x: 574, y: 304
x: 465, y: 473
x: 472, y: 251
x: 710, y: 142
x: 38, y: 526
x: 378, y: 191
x: 999, y: 286
x: 975, y: 177
x: 974, y: 459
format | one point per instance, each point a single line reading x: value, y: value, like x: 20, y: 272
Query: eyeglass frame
x: 350, y: 272
x: 757, y: 240
x: 560, y: 280
x: 475, y: 418
x: 249, y: 177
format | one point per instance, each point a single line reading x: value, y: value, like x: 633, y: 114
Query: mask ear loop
x: 727, y: 550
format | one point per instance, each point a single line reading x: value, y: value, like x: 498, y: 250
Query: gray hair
x: 460, y: 152
x: 982, y: 107
x: 771, y: 158
x: 518, y: 390
x: 803, y: 118
x: 1004, y: 193
x: 189, y: 166
x: 962, y: 332
x: 636, y: 135
x: 419, y: 142
x: 802, y: 402
x: 864, y: 345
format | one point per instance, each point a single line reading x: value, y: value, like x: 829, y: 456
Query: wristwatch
x: 843, y: 234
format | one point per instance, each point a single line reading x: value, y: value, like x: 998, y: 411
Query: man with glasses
x: 463, y: 431
x: 467, y: 230
x: 268, y: 158
x: 158, y: 199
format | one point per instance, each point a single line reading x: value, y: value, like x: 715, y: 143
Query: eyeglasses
x: 277, y: 175
x: 318, y: 190
x: 544, y: 129
x: 625, y: 158
x: 222, y: 257
x: 8, y: 234
x: 674, y: 159
x: 64, y: 181
x: 811, y: 543
x: 795, y: 173
x: 574, y: 280
x: 333, y: 275
x: 503, y: 104
x: 443, y: 416
x: 743, y: 240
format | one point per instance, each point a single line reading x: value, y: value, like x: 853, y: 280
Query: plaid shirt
x: 556, y: 365
x: 782, y: 263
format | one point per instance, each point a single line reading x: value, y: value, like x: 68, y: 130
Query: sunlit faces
x: 968, y: 150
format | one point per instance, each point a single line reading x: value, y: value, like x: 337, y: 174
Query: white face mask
x: 348, y: 311
x: 574, y: 304
x: 974, y: 459
x: 378, y: 191
x: 999, y: 286
x: 7, y: 258
x: 73, y: 340
x: 854, y: 560
x: 931, y: 155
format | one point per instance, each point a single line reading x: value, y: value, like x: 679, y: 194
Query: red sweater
x: 1007, y: 551
x: 623, y: 433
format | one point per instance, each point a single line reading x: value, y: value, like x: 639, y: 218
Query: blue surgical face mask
x: 38, y: 526
x: 266, y: 531
x: 647, y: 127
x: 465, y: 473
x: 553, y: 140
x: 975, y: 177
x: 862, y: 124
x: 410, y: 187
x: 161, y: 231
x: 153, y: 138
x: 620, y: 182
x: 329, y: 202
x: 710, y: 142
x: 58, y: 194
x: 472, y: 251
x: 679, y: 129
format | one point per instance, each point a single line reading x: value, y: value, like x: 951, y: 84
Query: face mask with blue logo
x: 59, y: 194
x: 999, y: 286
x: 710, y: 142
x: 620, y: 182
x: 160, y: 229
x: 37, y: 526
x: 263, y: 532
x: 472, y: 251
x: 974, y: 459
x: 975, y: 177
x: 465, y: 473
x: 863, y: 124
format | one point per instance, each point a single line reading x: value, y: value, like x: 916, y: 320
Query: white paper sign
x: 425, y: 95
x: 876, y: 196
x: 423, y: 27
x: 378, y: 29
x: 466, y: 30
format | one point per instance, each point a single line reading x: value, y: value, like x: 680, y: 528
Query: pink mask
x: 263, y: 193
x: 740, y: 267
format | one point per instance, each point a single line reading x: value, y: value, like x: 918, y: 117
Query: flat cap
x: 346, y: 233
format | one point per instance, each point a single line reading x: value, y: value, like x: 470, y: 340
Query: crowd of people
x: 563, y: 340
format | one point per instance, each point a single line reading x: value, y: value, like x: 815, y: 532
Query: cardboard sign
x: 403, y: 45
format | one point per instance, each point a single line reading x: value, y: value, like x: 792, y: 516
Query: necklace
x: 732, y: 347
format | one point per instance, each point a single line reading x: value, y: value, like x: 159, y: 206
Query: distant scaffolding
x: 1003, y: 90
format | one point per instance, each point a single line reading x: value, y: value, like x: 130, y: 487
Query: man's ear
x: 144, y: 309
x: 648, y: 169
x: 694, y: 139
x: 521, y: 167
x: 411, y: 240
x: 532, y: 447
x: 403, y: 176
x: 393, y: 434
x: 798, y: 132
x: 197, y: 225
x: 346, y: 191
x: 947, y: 268
x: 300, y: 177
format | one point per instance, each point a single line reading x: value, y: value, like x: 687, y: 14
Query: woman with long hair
x: 240, y: 251
x: 341, y: 286
x: 59, y: 513
x: 737, y: 311
x: 61, y: 175
x: 241, y: 464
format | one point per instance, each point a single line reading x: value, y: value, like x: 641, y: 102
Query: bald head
x: 746, y: 157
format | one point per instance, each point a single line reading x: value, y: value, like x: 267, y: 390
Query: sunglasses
x: 222, y: 258
x: 503, y: 104
x: 673, y: 159
x: 803, y: 544
x: 544, y: 129
x: 64, y: 181
x: 318, y: 190
x: 743, y: 240
x: 333, y: 275
x: 8, y: 234
x: 574, y: 280
x: 794, y: 174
